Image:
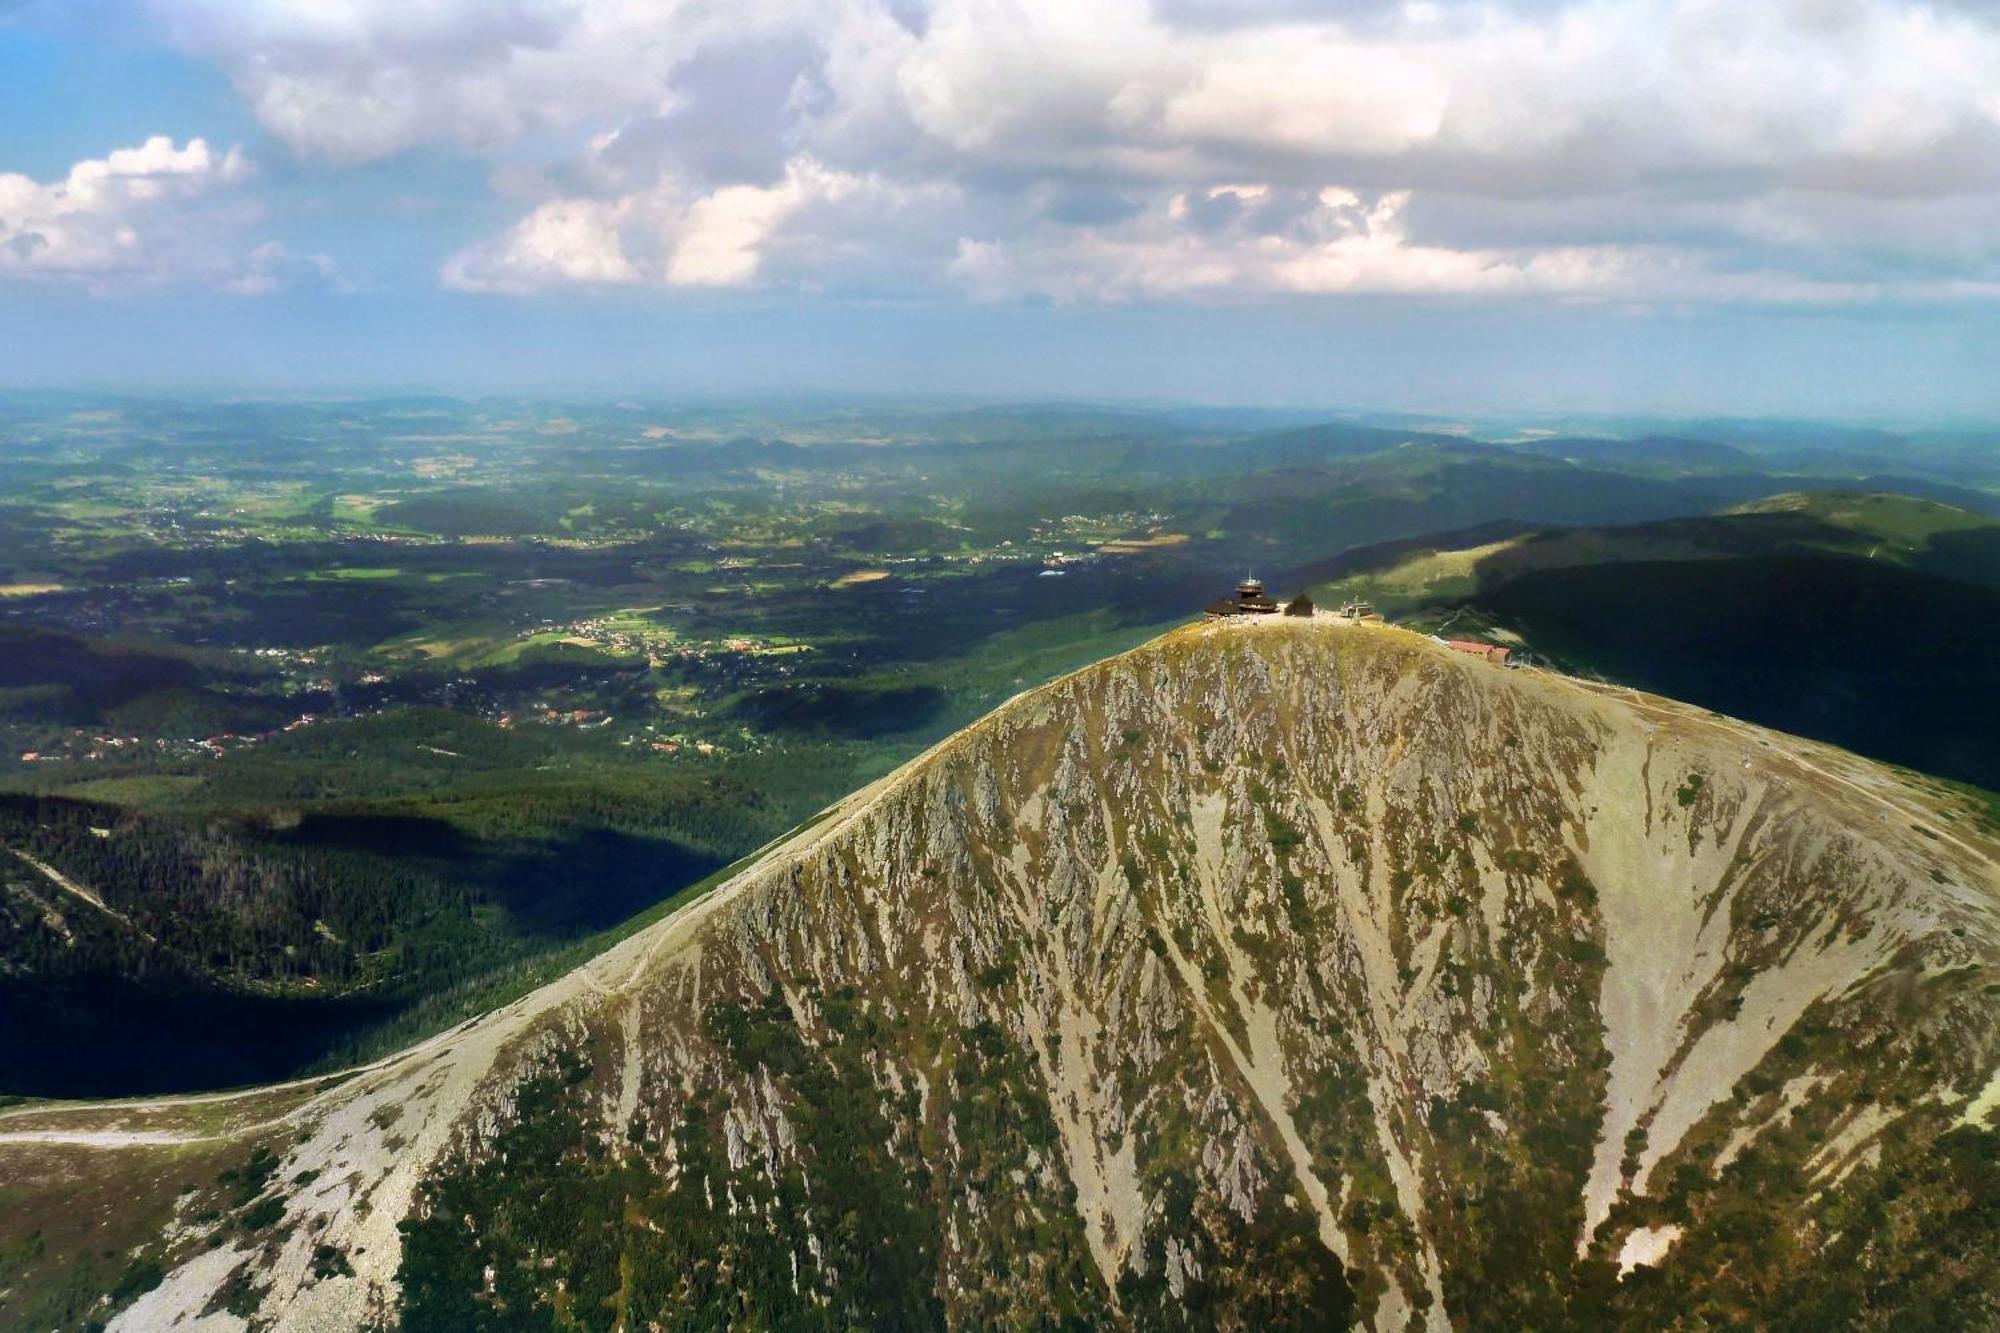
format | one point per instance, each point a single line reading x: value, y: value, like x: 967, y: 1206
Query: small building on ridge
x: 1249, y: 601
x: 1492, y: 652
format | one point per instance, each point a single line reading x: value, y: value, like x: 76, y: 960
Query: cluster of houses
x: 79, y: 744
x: 584, y: 719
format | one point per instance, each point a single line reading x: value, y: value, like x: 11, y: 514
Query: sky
x: 1780, y: 207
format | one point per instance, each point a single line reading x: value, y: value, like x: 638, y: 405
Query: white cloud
x: 273, y: 267
x: 723, y: 233
x: 1681, y: 83
x: 1341, y: 245
x: 147, y: 216
x: 352, y: 80
x: 1777, y: 150
x: 1308, y: 91
x: 131, y: 215
x: 664, y: 235
x: 565, y: 241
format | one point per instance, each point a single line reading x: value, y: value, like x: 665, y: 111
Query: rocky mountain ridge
x: 1297, y: 973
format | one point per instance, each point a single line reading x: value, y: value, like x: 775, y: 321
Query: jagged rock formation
x: 1291, y: 973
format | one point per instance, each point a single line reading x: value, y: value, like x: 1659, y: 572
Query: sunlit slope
x: 1290, y: 973
x: 1926, y: 535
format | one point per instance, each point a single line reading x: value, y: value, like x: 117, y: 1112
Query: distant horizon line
x: 1438, y: 419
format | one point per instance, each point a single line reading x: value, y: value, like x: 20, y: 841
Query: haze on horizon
x: 1637, y: 205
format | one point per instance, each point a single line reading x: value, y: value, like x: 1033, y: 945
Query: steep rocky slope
x: 1293, y: 974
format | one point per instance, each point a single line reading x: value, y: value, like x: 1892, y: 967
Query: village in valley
x: 391, y: 617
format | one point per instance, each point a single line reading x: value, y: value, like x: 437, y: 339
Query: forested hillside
x: 187, y: 950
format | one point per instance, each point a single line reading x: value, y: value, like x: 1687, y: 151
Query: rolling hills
x: 1289, y: 974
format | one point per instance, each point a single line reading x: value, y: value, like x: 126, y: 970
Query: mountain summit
x: 1282, y: 972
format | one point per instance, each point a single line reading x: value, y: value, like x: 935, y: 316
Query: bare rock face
x: 1294, y: 974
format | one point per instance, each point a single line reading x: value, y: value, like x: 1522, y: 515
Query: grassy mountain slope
x: 1906, y: 531
x: 1268, y: 975
x: 1869, y: 620
x: 1937, y: 538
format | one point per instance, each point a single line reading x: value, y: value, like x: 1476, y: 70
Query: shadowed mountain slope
x: 1290, y: 974
x: 1868, y: 620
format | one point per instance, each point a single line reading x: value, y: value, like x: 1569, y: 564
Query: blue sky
x: 1660, y: 205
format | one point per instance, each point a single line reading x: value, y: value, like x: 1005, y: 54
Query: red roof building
x: 1492, y: 652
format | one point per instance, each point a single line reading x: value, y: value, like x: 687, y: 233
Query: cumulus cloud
x: 1339, y: 244
x: 1335, y: 243
x: 1625, y: 149
x: 357, y: 79
x: 111, y: 216
x: 665, y: 234
x: 797, y: 230
x: 148, y: 215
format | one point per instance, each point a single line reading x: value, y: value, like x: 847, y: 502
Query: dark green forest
x: 241, y: 948
x: 1877, y: 659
